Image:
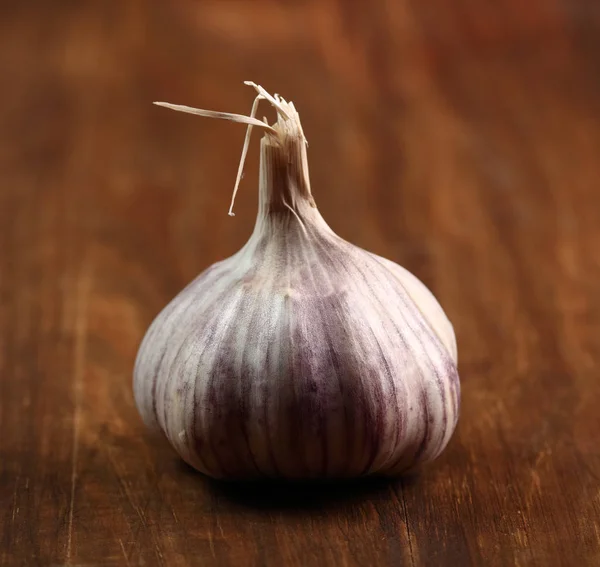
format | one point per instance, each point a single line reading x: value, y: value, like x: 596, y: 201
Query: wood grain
x: 459, y: 139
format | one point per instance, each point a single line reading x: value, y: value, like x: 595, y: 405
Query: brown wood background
x: 460, y: 139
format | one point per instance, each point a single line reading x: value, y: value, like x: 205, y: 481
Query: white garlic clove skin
x: 301, y: 356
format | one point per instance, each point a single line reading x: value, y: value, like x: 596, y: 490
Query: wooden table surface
x: 459, y: 139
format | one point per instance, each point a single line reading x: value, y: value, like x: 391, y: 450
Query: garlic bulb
x: 301, y: 356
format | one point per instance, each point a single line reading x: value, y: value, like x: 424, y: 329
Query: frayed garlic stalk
x: 301, y: 356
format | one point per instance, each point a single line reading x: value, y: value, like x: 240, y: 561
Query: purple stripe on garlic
x: 301, y: 356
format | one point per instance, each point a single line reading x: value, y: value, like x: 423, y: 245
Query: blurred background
x: 458, y: 139
x: 426, y: 121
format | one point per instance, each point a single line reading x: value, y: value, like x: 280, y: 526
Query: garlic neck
x: 284, y: 185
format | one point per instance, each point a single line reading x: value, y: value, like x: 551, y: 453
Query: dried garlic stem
x: 284, y: 110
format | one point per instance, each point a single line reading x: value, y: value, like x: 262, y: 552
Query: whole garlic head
x: 301, y: 356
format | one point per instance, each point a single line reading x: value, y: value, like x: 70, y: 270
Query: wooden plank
x: 457, y: 139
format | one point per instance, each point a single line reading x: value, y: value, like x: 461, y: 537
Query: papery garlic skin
x: 301, y: 356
